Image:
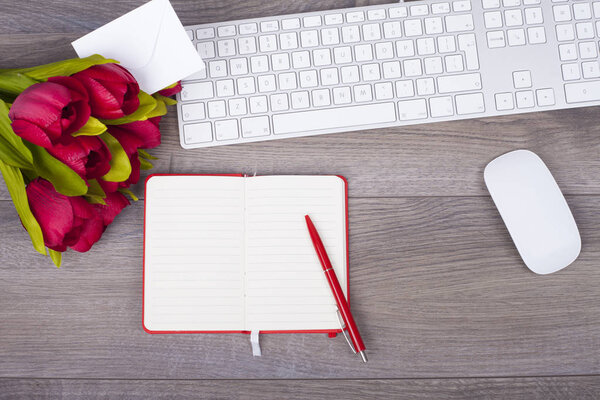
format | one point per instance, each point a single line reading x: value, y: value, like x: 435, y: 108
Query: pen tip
x: 363, y: 355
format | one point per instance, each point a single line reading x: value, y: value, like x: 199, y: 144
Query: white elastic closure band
x: 255, y: 344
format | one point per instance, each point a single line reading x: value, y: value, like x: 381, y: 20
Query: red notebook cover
x: 331, y: 332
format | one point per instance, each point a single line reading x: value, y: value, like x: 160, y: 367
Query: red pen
x: 357, y: 344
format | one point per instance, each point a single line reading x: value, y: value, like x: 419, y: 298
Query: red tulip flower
x: 87, y: 155
x: 70, y: 221
x: 168, y: 92
x: 113, y: 91
x: 47, y: 113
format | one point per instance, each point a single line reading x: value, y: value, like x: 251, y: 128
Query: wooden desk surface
x: 446, y: 307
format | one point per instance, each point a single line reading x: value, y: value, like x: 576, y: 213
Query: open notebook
x: 233, y: 254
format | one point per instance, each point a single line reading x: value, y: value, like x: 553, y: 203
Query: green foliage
x: 61, y: 68
x: 62, y: 177
x: 95, y: 194
x: 16, y: 188
x: 147, y: 105
x: 143, y: 153
x: 91, y: 128
x: 56, y: 257
x: 120, y: 167
x: 129, y: 192
x: 12, y: 149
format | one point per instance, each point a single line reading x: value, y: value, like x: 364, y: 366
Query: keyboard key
x: 391, y: 70
x: 259, y: 64
x: 588, y: 50
x: 582, y: 11
x: 565, y: 32
x: 446, y: 44
x: 567, y: 52
x: 440, y: 8
x: 206, y: 49
x: 522, y: 79
x: 248, y: 29
x: 288, y: 41
x: 384, y: 91
x: 384, y: 51
x: 287, y: 81
x: 433, y: 26
x: 225, y: 88
x: 342, y: 55
x: 545, y: 97
x: 398, y: 12
x: 330, y: 36
x: 405, y: 48
x: 513, y: 17
x: 582, y: 91
x: 371, y: 32
x: 290, y: 23
x: 492, y: 19
x: 525, y: 99
x: 256, y: 126
x: 355, y: 16
x: 266, y: 83
x: 496, y: 39
x: 467, y: 44
x: 280, y: 62
x: 454, y: 63
x: 334, y: 19
x: 300, y: 100
x: 312, y: 21
x: 329, y: 76
x: 585, y: 30
x: 205, y: 33
x: 461, y: 5
x: 226, y: 130
x: 591, y: 69
x: 216, y: 109
x: 511, y: 3
x: 237, y: 107
x: 469, y: 104
x: 246, y: 85
x: 363, y: 52
x: 570, y: 72
x: 441, y: 106
x: 217, y: 69
x: 412, y: 109
x: 419, y: 10
x: 425, y: 46
x: 534, y: 16
x: 321, y: 57
x: 370, y: 72
x: 344, y: 117
x: 308, y: 79
x: 412, y: 27
x: 487, y: 4
x: 504, y: 101
x: 225, y: 31
x: 321, y: 98
x: 375, y: 15
x: 350, y: 74
x: 459, y: 23
x: 279, y: 102
x: 247, y: 45
x: 341, y: 95
x: 238, y: 66
x: 267, y: 43
x: 362, y: 93
x: 536, y: 35
x: 433, y: 65
x: 197, y: 133
x: 269, y: 26
x: 192, y: 112
x: 425, y: 86
x: 350, y: 34
x: 405, y: 88
x: 301, y: 59
x: 309, y: 38
x: 459, y: 83
x: 190, y: 34
x: 562, y: 13
x: 516, y: 37
x: 197, y: 91
x: 412, y: 68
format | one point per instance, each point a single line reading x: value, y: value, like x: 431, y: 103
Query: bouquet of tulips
x: 73, y: 138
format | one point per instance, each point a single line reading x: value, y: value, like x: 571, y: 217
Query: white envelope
x: 150, y: 42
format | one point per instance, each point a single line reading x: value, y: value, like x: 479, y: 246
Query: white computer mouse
x: 534, y: 210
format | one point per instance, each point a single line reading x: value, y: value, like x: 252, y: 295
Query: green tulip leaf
x: 13, y: 83
x: 16, y: 188
x: 91, y: 128
x: 12, y: 149
x: 146, y: 155
x: 167, y: 100
x: 56, y: 257
x: 147, y: 105
x: 145, y: 164
x: 63, y: 68
x: 120, y: 167
x: 95, y: 189
x: 63, y: 178
x: 128, y: 192
x: 159, y: 110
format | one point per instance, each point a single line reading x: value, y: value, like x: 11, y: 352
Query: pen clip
x: 344, y: 332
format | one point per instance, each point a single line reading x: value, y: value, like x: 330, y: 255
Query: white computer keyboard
x: 388, y: 65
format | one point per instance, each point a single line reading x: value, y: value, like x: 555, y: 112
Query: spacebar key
x: 334, y: 118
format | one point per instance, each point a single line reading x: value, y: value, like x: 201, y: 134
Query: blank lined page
x: 284, y: 282
x: 194, y: 253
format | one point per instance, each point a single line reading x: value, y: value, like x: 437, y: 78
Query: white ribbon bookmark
x: 255, y: 344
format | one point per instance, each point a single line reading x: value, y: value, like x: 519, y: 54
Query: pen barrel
x: 344, y: 308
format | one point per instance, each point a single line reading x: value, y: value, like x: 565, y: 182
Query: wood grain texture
x: 438, y: 287
x: 554, y: 388
x: 436, y: 284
